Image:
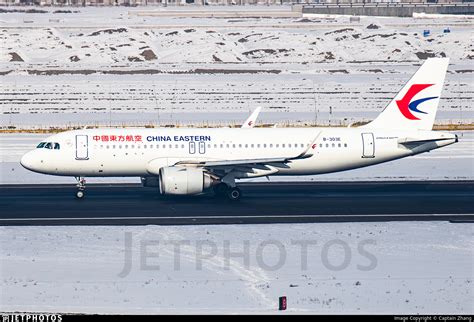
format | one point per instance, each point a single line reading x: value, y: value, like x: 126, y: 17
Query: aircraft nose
x: 28, y: 161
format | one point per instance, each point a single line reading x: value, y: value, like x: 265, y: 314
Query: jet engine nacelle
x: 184, y: 181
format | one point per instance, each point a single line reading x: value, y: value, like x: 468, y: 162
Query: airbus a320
x: 190, y: 161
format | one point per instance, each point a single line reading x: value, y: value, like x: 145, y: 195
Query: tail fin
x: 414, y: 107
x: 252, y: 119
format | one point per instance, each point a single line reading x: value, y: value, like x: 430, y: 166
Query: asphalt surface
x: 301, y: 202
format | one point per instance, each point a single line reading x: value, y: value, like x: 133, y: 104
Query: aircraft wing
x: 263, y: 166
x: 250, y: 121
x: 243, y: 162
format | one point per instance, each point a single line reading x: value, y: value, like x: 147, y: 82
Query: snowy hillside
x: 149, y: 47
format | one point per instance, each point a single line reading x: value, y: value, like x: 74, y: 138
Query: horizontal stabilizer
x: 412, y: 143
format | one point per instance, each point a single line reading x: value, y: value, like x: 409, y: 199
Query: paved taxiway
x: 261, y: 203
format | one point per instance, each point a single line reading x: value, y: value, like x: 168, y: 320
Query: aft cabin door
x: 82, y: 147
x: 202, y: 147
x: 368, y: 145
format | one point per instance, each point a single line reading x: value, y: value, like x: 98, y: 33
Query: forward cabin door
x: 192, y: 147
x: 82, y: 152
x: 368, y: 145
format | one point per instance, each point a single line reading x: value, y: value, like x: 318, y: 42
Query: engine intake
x: 184, y: 181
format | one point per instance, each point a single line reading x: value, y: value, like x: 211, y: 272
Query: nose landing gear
x: 81, y: 187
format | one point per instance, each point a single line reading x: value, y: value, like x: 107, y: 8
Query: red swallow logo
x: 406, y: 106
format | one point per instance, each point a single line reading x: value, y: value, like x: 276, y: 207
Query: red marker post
x: 282, y: 303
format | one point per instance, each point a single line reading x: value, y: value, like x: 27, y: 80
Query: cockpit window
x: 49, y: 145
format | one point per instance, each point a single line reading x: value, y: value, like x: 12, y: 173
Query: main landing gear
x: 81, y: 187
x: 224, y: 190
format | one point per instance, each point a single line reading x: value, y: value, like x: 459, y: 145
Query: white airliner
x: 189, y: 161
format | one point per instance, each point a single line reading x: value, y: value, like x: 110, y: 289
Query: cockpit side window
x: 49, y: 145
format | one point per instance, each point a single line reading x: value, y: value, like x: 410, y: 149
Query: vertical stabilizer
x: 252, y: 119
x: 415, y: 106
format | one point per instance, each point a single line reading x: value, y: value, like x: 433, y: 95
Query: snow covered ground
x: 402, y: 268
x: 52, y: 39
x: 105, y: 66
x: 454, y: 162
x: 322, y: 97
